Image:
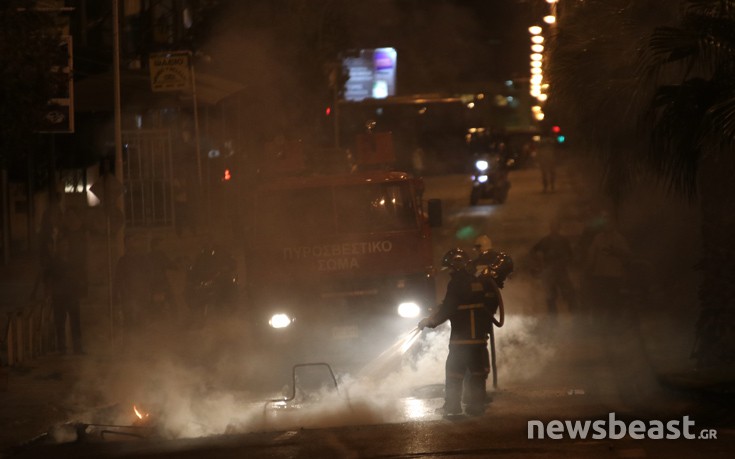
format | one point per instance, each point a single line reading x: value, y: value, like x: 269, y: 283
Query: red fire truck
x: 340, y: 264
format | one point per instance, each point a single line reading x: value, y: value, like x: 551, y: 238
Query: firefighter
x: 469, y: 305
x: 489, y: 261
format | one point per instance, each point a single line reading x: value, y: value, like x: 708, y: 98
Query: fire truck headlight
x: 481, y: 165
x: 482, y: 178
x: 409, y: 310
x: 280, y: 321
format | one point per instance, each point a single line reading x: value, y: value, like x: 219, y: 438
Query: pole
x: 493, y: 364
x: 196, y: 120
x: 336, y: 117
x: 118, y: 158
x: 208, y: 169
x: 196, y: 135
x: 110, y: 300
x: 30, y: 188
x: 116, y: 71
x: 5, y: 214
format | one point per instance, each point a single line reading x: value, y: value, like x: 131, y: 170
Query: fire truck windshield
x: 323, y: 211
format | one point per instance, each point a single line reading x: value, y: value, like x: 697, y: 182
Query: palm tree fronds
x: 675, y: 123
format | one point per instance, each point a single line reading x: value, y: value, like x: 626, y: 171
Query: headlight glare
x: 482, y: 165
x: 280, y: 321
x: 409, y: 310
x: 482, y: 178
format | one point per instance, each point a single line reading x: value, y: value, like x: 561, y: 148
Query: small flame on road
x: 140, y: 415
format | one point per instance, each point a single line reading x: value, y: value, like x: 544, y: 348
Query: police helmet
x: 483, y: 243
x: 456, y: 260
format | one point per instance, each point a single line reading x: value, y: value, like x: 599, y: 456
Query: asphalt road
x: 574, y: 367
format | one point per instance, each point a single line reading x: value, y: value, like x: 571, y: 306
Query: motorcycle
x: 490, y: 178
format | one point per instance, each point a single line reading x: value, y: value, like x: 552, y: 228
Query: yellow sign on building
x: 170, y: 71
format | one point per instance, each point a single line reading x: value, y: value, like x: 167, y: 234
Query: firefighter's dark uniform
x: 469, y: 305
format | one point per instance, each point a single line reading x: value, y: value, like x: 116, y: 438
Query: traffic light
x: 560, y: 138
x: 226, y: 176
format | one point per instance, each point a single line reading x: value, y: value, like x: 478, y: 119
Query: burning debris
x: 403, y: 383
x: 144, y: 419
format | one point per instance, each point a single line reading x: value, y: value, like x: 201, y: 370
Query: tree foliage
x: 691, y: 67
x: 649, y: 84
x: 663, y: 104
x: 594, y: 87
x: 691, y: 121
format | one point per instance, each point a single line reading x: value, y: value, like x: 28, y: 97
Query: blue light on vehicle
x: 482, y: 178
x: 482, y: 165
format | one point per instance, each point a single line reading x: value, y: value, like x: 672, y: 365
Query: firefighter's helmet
x: 483, y: 243
x: 456, y: 260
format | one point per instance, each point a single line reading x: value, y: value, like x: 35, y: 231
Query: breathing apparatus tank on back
x: 498, y: 265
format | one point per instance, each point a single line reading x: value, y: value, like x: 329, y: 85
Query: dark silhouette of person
x: 161, y: 292
x: 132, y: 285
x: 608, y: 258
x: 183, y: 219
x: 186, y: 200
x: 554, y: 252
x: 50, y: 230
x: 211, y: 280
x: 546, y: 158
x: 74, y: 230
x: 63, y: 283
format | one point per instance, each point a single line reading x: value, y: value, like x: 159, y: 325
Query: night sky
x: 452, y: 42
x: 443, y: 45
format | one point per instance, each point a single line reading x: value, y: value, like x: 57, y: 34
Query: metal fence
x: 148, y: 178
x: 27, y: 333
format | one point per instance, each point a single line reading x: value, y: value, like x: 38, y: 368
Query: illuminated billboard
x: 372, y: 74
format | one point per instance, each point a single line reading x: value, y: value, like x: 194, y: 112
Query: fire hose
x: 496, y: 323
